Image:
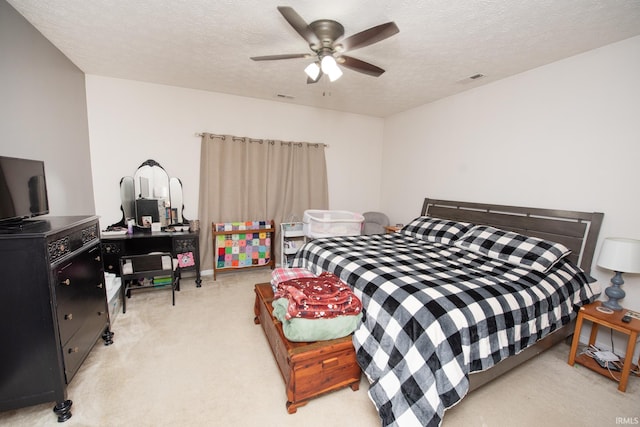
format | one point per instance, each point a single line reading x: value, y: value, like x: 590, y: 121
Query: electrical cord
x: 591, y: 351
x: 611, y: 373
x: 633, y: 371
x: 611, y: 335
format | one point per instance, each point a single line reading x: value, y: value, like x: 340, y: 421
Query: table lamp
x: 622, y: 256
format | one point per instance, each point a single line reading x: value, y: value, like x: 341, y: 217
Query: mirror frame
x: 130, y: 194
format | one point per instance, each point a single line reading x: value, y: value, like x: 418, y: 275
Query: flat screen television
x: 23, y: 189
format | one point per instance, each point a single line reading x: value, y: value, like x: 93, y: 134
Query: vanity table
x: 152, y: 208
x: 139, y: 243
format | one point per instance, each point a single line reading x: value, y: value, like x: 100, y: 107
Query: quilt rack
x: 242, y: 245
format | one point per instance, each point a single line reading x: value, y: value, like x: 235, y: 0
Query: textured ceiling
x: 206, y: 44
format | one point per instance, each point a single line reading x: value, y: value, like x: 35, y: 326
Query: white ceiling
x: 206, y: 44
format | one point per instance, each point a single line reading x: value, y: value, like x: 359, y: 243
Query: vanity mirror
x: 151, y: 196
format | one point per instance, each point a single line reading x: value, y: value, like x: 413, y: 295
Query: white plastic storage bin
x: 325, y: 223
x: 114, y: 297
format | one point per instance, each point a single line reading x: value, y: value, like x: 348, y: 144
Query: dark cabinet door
x: 111, y: 253
x: 80, y: 305
x: 29, y: 359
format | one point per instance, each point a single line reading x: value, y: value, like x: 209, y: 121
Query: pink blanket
x: 325, y: 296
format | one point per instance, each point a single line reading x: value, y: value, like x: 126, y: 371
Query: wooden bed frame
x: 578, y: 231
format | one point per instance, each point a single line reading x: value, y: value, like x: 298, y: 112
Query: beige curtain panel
x: 243, y: 179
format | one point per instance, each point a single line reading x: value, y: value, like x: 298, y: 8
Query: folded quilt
x: 281, y: 274
x: 325, y: 296
x: 308, y: 330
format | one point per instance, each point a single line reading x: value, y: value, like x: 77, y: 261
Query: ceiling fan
x: 324, y: 41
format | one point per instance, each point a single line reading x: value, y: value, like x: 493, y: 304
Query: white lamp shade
x: 620, y: 254
x: 335, y: 74
x: 328, y: 64
x: 313, y: 71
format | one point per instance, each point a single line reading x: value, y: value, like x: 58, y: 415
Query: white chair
x: 374, y: 223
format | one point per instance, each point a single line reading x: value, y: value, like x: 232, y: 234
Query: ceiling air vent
x: 471, y: 79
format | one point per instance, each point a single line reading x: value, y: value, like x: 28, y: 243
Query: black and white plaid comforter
x: 434, y: 313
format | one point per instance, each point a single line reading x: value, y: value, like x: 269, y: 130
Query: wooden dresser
x: 309, y: 369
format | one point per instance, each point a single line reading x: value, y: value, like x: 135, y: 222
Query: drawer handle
x: 68, y: 316
x: 100, y: 285
x: 66, y: 282
x: 330, y: 362
x: 73, y: 350
x: 97, y: 258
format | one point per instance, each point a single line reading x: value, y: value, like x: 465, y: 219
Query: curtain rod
x: 200, y: 135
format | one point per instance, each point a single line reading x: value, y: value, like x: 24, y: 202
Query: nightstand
x: 391, y: 228
x: 614, y: 321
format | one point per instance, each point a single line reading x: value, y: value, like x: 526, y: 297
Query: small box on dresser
x: 309, y: 369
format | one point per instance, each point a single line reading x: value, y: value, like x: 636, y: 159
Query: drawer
x: 76, y: 349
x: 318, y: 375
x: 112, y: 264
x: 79, y: 286
x: 111, y: 253
x: 74, y: 313
x: 71, y: 316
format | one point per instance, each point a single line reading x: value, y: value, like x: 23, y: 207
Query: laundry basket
x: 327, y: 223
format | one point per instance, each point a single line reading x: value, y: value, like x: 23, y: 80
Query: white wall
x: 565, y: 136
x: 130, y: 122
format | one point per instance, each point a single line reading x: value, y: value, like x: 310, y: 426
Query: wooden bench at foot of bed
x: 309, y: 369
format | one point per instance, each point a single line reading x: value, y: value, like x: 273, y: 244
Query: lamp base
x: 614, y: 292
x: 612, y: 304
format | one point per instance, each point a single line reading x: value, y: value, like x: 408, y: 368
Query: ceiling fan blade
x: 285, y: 56
x: 298, y: 24
x: 360, y: 66
x: 370, y: 36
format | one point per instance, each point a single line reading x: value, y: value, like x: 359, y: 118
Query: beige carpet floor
x: 205, y: 363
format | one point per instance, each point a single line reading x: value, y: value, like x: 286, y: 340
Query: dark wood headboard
x: 578, y: 231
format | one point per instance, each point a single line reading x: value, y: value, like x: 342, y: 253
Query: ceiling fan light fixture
x: 328, y: 64
x: 313, y: 71
x: 322, y: 36
x: 335, y: 74
x: 330, y: 67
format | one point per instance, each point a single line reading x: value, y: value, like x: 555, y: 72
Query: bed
x: 460, y: 295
